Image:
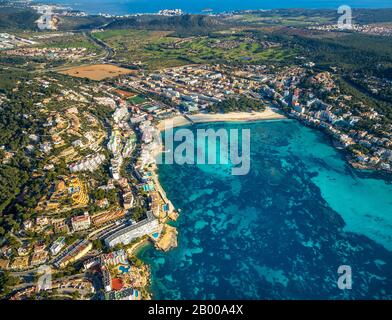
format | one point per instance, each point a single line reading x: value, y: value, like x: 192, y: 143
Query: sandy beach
x: 177, y: 121
x: 181, y: 120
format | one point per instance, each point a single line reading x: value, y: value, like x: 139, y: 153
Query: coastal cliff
x: 168, y: 239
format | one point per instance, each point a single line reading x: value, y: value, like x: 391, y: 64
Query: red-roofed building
x: 117, y: 284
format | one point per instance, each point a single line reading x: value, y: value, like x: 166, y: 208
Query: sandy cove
x: 169, y: 238
x: 180, y: 120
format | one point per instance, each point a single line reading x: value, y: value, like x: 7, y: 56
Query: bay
x: 280, y: 232
x: 123, y: 7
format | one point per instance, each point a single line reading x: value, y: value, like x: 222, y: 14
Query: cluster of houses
x: 89, y: 163
x: 149, y: 144
x: 373, y: 29
x: 194, y: 88
x: 76, y: 284
x: 124, y: 233
x: 170, y: 12
x: 9, y: 41
x: 51, y: 53
x: 73, y: 253
x: 116, y: 275
x: 29, y: 256
x: 122, y: 140
x: 336, y: 116
x: 121, y: 145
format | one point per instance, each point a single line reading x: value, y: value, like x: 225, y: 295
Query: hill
x: 21, y: 18
x: 190, y: 24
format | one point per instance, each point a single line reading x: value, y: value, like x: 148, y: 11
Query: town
x: 111, y: 213
x: 81, y: 193
x: 379, y: 29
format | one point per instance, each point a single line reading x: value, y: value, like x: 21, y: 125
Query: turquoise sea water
x: 122, y: 7
x: 280, y: 232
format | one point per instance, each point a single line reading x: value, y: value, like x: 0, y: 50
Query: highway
x: 109, y: 51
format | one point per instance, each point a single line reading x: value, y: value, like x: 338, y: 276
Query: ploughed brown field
x: 96, y: 72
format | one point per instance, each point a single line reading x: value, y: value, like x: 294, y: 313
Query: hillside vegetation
x: 12, y: 18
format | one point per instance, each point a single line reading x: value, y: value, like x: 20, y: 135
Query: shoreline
x: 185, y: 120
x: 124, y: 12
x: 181, y: 120
x: 135, y: 248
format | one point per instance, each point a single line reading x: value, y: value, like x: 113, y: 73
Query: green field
x: 204, y: 50
x: 137, y: 100
x: 279, y: 20
x: 157, y: 49
x: 65, y: 41
x: 69, y: 41
x: 135, y: 45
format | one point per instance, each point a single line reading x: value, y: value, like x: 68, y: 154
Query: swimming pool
x: 148, y: 187
x: 155, y: 235
x: 124, y: 269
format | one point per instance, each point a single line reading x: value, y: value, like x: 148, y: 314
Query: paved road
x: 32, y: 281
x: 109, y: 51
x: 26, y: 273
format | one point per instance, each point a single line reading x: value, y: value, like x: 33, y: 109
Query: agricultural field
x: 96, y: 72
